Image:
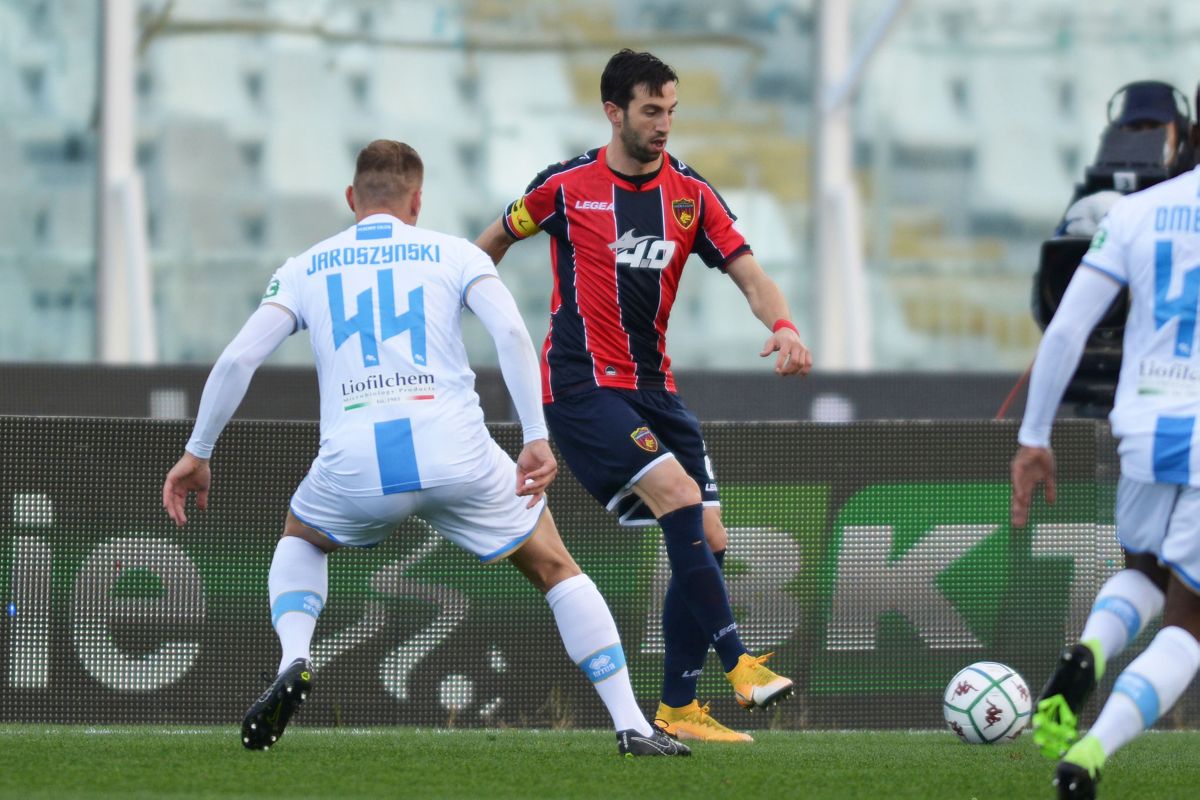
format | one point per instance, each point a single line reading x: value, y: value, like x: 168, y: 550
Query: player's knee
x: 679, y: 493
x: 667, y: 487
x: 552, y: 571
x: 1182, y: 607
x: 1148, y: 565
x: 559, y: 563
x: 296, y: 528
x: 544, y: 560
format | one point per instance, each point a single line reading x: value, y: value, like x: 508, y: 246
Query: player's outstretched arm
x: 1087, y: 297
x: 494, y: 305
x: 495, y: 241
x: 769, y: 305
x: 266, y: 329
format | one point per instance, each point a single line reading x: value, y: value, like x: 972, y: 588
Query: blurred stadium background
x: 970, y: 124
x: 896, y: 166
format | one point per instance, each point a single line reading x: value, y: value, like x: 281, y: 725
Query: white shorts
x: 1162, y: 519
x: 483, y: 516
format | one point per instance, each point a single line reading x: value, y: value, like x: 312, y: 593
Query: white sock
x: 592, y: 642
x: 1123, y: 607
x: 298, y: 585
x: 1147, y: 688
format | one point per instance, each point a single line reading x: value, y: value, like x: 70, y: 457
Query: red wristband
x: 783, y: 323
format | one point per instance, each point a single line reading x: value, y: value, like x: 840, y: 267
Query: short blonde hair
x: 386, y: 171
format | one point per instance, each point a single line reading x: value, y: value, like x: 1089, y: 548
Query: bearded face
x: 646, y: 122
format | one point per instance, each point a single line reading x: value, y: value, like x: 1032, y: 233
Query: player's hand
x: 536, y: 468
x: 1030, y: 467
x: 190, y: 474
x: 794, y: 358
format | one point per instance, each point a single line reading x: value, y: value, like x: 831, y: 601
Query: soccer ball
x: 987, y: 703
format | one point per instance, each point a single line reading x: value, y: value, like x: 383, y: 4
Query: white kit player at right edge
x: 402, y: 433
x: 1150, y: 242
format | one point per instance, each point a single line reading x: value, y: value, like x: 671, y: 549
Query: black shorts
x: 610, y: 438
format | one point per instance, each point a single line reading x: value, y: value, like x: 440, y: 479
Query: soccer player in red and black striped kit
x: 623, y: 219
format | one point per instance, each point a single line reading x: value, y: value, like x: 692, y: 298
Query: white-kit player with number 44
x: 1150, y: 242
x: 402, y: 433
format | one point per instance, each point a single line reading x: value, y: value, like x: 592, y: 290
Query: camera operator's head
x: 1153, y: 106
x: 1148, y: 140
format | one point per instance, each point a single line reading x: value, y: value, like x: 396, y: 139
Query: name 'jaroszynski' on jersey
x: 1150, y: 241
x: 398, y: 405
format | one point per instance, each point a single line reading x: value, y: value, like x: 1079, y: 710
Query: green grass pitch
x: 147, y: 761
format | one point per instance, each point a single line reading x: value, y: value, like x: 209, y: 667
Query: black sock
x: 700, y: 583
x: 685, y: 643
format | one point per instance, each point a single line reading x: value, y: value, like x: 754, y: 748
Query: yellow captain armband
x: 519, y: 220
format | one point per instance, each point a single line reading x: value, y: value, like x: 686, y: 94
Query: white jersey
x: 382, y: 302
x: 1150, y: 241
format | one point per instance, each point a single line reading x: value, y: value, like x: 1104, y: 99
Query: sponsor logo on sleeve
x: 272, y: 289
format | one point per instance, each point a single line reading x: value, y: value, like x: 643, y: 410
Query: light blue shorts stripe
x: 1162, y: 519
x: 512, y: 547
x: 1173, y: 449
x: 481, y: 514
x: 398, y: 471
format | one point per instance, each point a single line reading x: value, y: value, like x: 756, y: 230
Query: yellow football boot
x: 756, y: 686
x: 694, y: 722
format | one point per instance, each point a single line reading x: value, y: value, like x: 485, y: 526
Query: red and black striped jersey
x: 617, y: 250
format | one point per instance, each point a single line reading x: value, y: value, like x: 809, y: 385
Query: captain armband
x: 520, y: 222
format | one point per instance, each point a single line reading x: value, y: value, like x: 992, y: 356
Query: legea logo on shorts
x: 644, y: 439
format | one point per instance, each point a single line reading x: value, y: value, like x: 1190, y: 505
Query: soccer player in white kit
x: 402, y: 433
x: 1150, y: 242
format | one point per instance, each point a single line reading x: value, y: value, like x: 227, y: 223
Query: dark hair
x: 386, y: 171
x: 626, y: 70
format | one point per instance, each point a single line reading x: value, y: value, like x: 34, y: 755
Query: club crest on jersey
x: 644, y: 439
x: 684, y: 211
